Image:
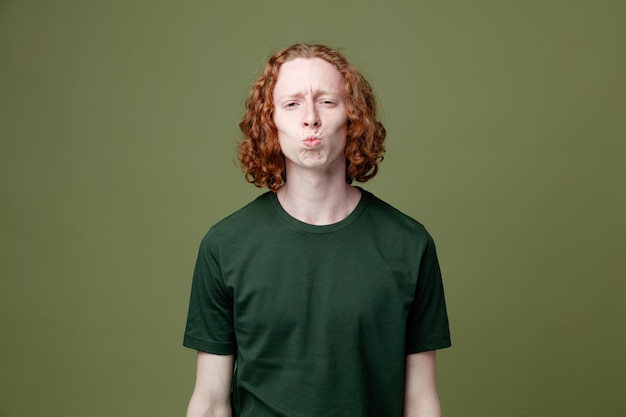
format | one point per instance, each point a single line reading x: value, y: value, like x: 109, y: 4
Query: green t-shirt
x: 320, y: 318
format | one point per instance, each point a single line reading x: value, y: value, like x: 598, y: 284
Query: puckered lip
x: 312, y: 141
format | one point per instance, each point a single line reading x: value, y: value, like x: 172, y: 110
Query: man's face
x: 310, y: 115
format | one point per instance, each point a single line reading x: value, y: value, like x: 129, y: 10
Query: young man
x: 316, y: 299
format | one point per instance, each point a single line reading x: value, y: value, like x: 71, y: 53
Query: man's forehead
x: 307, y: 73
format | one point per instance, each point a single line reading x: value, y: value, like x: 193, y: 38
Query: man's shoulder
x: 249, y: 225
x: 255, y: 212
x: 390, y: 216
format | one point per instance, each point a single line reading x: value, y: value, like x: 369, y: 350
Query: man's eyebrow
x: 316, y: 93
x: 290, y: 95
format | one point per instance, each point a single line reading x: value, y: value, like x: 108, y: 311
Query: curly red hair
x: 260, y: 156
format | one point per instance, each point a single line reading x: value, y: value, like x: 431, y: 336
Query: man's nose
x: 310, y: 117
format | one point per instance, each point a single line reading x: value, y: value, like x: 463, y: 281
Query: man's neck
x: 318, y: 199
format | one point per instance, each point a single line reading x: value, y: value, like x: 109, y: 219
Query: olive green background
x: 118, y: 123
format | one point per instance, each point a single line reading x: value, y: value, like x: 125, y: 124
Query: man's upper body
x: 323, y: 299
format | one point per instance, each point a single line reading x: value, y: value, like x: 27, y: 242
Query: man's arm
x: 420, y: 390
x: 211, y: 394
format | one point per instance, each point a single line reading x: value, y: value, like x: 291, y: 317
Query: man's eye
x: 291, y: 105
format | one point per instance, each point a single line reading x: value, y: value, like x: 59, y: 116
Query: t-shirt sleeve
x: 427, y: 325
x: 210, y: 318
